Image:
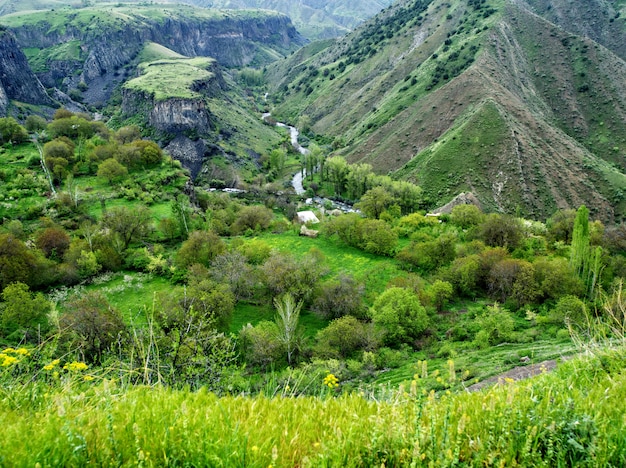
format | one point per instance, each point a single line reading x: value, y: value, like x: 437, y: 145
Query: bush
x: 399, y: 315
x: 495, y: 325
x: 342, y: 339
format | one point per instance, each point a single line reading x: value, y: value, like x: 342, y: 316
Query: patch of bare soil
x: 517, y: 373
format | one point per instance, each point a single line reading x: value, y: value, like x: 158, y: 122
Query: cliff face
x: 104, y: 48
x: 17, y: 81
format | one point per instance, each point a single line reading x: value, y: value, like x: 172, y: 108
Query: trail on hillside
x: 517, y: 373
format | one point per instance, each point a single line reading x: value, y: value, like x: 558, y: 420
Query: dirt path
x: 517, y: 373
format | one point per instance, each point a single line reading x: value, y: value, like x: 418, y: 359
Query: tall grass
x: 573, y: 417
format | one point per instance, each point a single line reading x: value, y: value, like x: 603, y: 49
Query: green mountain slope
x: 482, y: 95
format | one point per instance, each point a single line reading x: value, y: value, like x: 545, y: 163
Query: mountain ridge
x: 560, y: 101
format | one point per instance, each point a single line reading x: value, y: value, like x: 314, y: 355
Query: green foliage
x: 23, y: 315
x: 112, y: 171
x: 440, y: 293
x: 466, y: 216
x: 343, y: 338
x: 91, y: 326
x: 129, y: 224
x: 495, y: 325
x: 501, y: 231
x: 260, y: 344
x: 339, y: 298
x: 201, y: 247
x: 11, y: 131
x: 399, y: 315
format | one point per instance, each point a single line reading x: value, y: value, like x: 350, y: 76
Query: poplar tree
x: 585, y: 260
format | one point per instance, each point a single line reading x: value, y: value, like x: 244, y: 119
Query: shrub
x: 495, y: 326
x: 399, y: 315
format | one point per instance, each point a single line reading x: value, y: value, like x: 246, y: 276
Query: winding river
x: 298, y: 177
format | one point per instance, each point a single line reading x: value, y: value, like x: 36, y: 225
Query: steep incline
x: 481, y: 95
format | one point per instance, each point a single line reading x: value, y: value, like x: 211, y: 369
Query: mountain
x: 314, y: 19
x: 486, y: 96
x: 88, y: 51
x: 17, y: 81
x: 161, y: 68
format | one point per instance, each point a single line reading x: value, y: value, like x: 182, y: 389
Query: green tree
x: 501, y: 231
x: 53, y: 242
x: 17, y: 262
x: 342, y: 338
x: 399, y: 315
x: 440, y: 293
x: 11, y: 131
x: 358, y: 180
x: 284, y: 274
x: 91, y: 326
x: 129, y: 224
x: 24, y: 315
x: 35, y: 123
x: 374, y: 202
x: 201, y: 247
x: 585, y: 260
x: 378, y: 237
x: 495, y: 325
x: 254, y: 217
x: 260, y: 344
x: 112, y: 170
x: 466, y: 216
x: 336, y: 169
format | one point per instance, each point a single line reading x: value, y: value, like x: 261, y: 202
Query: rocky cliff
x: 17, y: 81
x: 93, y: 48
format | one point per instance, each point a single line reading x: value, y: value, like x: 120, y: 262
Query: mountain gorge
x: 481, y: 96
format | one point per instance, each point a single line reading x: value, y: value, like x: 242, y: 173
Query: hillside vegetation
x: 470, y: 96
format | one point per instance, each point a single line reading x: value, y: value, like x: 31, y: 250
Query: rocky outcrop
x: 17, y: 81
x: 233, y: 39
x: 461, y: 199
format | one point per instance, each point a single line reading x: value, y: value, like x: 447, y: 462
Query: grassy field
x: 572, y: 417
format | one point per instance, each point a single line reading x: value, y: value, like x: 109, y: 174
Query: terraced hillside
x: 479, y: 95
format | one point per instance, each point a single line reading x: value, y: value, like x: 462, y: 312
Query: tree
x: 17, y: 262
x: 501, y: 231
x: 127, y: 134
x: 214, y: 301
x: 233, y: 269
x: 191, y: 349
x: 585, y: 260
x: 496, y: 326
x: 407, y: 195
x: 336, y: 168
x: 513, y: 278
x: 374, y: 202
x: 255, y: 218
x: 284, y: 274
x: 201, y: 247
x: 112, y: 170
x: 287, y: 320
x: 399, y: 315
x: 440, y: 293
x: 466, y: 216
x: 378, y: 237
x: 340, y: 298
x: 260, y: 344
x: 358, y: 180
x: 342, y: 338
x: 11, y: 131
x: 53, y: 242
x: 35, y: 123
x: 129, y: 224
x: 91, y: 326
x: 24, y: 315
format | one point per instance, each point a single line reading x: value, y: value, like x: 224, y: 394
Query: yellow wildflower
x: 331, y: 381
x: 7, y: 360
x: 75, y: 366
x: 88, y: 378
x: 22, y: 351
x: 52, y: 365
x: 8, y: 351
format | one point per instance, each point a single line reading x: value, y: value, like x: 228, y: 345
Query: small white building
x: 305, y: 217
